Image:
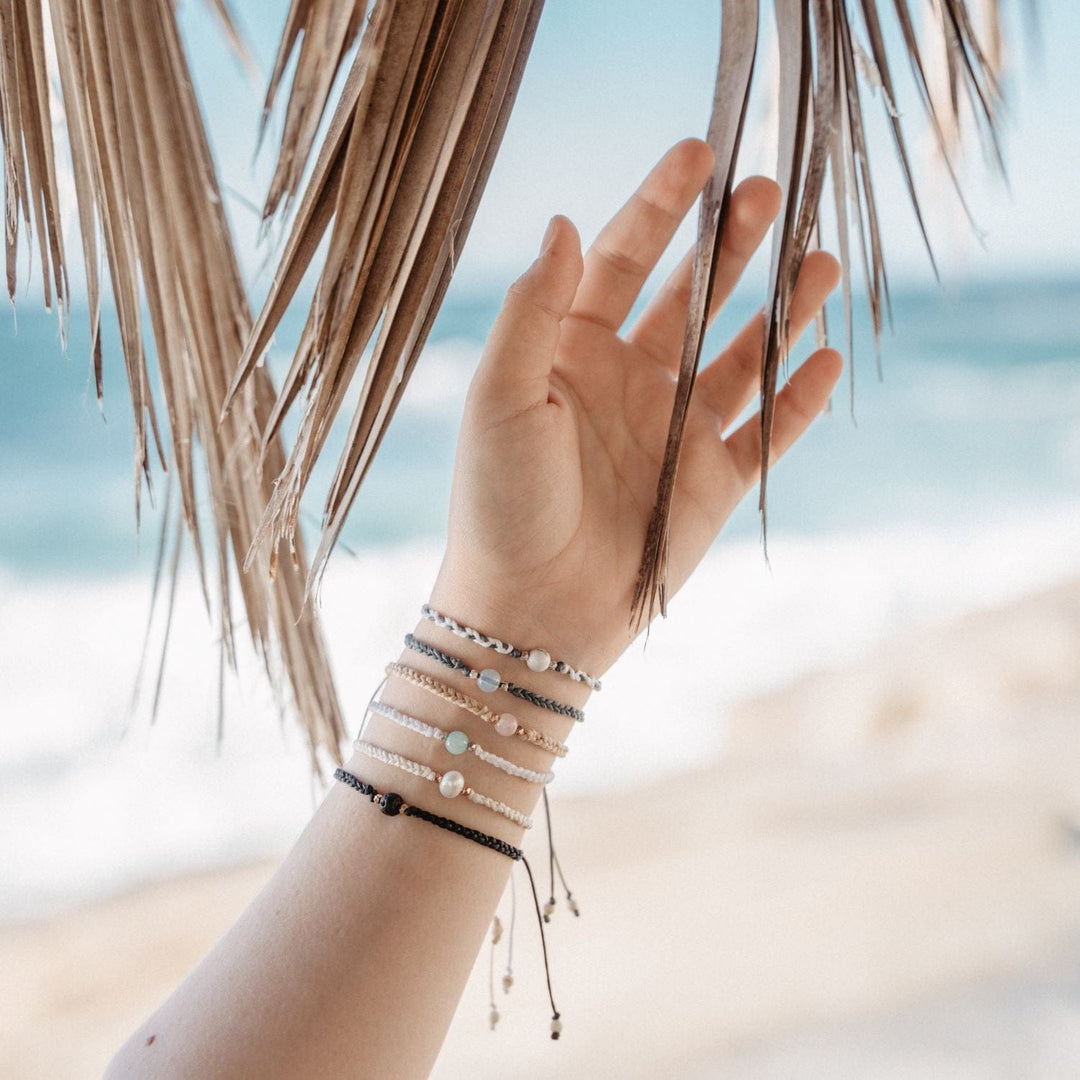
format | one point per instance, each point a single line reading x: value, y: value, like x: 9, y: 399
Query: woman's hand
x: 565, y: 422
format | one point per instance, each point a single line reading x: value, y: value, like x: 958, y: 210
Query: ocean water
x: 955, y: 486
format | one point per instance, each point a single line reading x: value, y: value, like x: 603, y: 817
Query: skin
x: 353, y: 957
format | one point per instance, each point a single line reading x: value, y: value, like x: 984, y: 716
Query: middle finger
x: 660, y: 328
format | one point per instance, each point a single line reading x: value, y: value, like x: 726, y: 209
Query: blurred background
x: 854, y: 848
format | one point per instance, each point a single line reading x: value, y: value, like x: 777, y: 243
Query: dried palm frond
x: 326, y: 30
x: 399, y: 176
x: 738, y: 48
x: 29, y: 164
x: 389, y: 244
x: 821, y: 123
x: 145, y: 183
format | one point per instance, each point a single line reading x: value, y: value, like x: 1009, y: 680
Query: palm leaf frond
x: 738, y: 48
x: 320, y: 33
x: 822, y: 123
x: 146, y: 189
x: 396, y: 183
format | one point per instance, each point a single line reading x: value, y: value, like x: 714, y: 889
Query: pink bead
x: 506, y: 724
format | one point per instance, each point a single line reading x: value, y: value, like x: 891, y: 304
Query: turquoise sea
x: 974, y: 415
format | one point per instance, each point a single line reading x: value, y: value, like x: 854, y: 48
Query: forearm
x: 355, y: 954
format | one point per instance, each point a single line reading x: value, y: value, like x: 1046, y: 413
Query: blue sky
x: 610, y: 86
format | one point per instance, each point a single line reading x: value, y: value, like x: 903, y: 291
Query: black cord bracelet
x: 392, y: 804
x: 489, y: 679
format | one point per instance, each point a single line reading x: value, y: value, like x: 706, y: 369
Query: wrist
x: 562, y: 630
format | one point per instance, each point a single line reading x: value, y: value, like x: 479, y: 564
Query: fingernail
x: 549, y: 238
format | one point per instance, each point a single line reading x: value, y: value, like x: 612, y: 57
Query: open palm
x: 565, y: 421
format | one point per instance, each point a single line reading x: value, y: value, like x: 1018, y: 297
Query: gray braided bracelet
x: 490, y: 680
x: 537, y: 659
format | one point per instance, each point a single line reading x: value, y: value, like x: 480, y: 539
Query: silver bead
x: 489, y: 680
x: 538, y: 660
x: 452, y: 784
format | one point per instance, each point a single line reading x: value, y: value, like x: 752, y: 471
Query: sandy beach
x: 878, y: 879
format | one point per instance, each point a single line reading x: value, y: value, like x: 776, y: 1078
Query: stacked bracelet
x: 504, y: 723
x: 451, y: 784
x: 458, y: 742
x: 489, y: 680
x: 537, y: 659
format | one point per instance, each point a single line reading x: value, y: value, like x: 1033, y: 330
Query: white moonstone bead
x: 489, y: 680
x: 506, y: 724
x: 556, y: 1028
x: 538, y: 660
x: 452, y: 784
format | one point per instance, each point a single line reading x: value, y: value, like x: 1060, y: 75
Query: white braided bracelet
x: 451, y: 784
x: 537, y: 659
x: 458, y: 742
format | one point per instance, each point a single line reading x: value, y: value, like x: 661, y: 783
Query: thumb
x: 516, y: 363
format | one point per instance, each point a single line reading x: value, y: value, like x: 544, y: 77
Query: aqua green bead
x: 457, y: 742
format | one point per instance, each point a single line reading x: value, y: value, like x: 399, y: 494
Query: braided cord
x: 416, y: 768
x: 432, y: 732
x: 469, y: 634
x: 389, y: 800
x: 488, y: 642
x: 451, y: 694
x: 457, y: 664
x: 510, y: 767
x: 389, y: 757
x: 405, y: 720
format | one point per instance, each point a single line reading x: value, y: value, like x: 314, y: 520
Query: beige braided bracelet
x: 503, y: 723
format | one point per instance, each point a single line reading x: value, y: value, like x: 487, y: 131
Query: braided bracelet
x: 458, y: 742
x: 392, y: 804
x: 537, y: 659
x: 451, y: 784
x: 504, y: 723
x: 489, y: 680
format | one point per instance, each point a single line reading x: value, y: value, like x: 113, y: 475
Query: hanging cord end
x: 556, y: 1026
x: 549, y: 909
x: 573, y: 904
